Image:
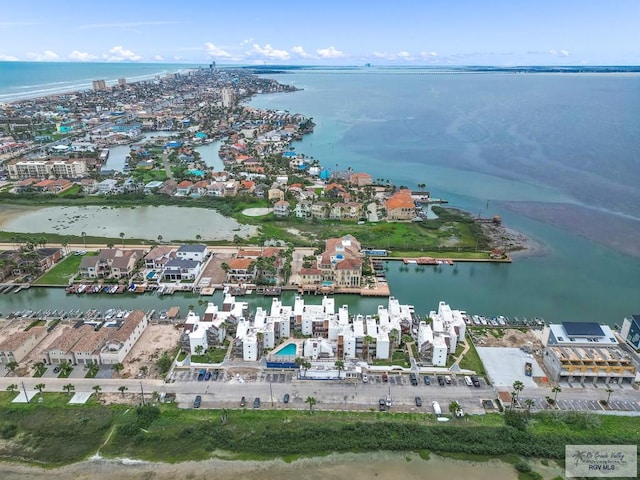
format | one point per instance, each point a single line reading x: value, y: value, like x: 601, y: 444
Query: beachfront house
x: 122, y: 335
x: 400, y: 206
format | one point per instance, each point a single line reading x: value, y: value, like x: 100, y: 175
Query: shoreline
x: 384, y: 465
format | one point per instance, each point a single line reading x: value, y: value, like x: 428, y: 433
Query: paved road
x: 271, y: 386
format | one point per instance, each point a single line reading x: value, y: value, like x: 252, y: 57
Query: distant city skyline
x: 328, y: 32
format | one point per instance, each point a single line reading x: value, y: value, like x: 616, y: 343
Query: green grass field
x: 63, y: 271
x: 54, y: 433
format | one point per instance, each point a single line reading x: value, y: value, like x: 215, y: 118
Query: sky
x: 324, y: 32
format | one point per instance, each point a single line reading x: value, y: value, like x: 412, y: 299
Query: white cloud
x: 380, y: 55
x: 121, y: 54
x: 299, y: 51
x: 158, y: 58
x: 559, y: 53
x: 215, y: 52
x: 46, y: 56
x: 247, y: 41
x: 428, y: 54
x: 269, y: 52
x: 8, y: 58
x: 78, y: 56
x: 330, y: 52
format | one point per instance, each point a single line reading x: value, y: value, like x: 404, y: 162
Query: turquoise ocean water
x: 554, y: 154
x: 20, y: 80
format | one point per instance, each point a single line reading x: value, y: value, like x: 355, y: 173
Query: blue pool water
x: 288, y: 350
x: 151, y: 274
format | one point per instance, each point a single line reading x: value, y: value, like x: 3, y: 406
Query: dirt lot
x: 505, y: 337
x: 156, y: 339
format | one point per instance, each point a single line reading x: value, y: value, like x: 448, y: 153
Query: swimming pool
x: 288, y: 350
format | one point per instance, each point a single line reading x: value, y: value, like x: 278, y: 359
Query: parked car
x: 243, y: 402
x: 475, y: 381
x: 418, y: 402
x: 215, y: 374
x: 201, y: 375
x: 427, y: 380
x: 207, y: 376
x: 468, y: 381
x: 286, y: 398
x: 365, y: 378
x: 385, y: 377
x: 197, y: 401
x: 256, y: 402
x: 447, y: 379
x: 441, y: 380
x: 414, y: 379
x: 382, y: 406
x: 56, y: 369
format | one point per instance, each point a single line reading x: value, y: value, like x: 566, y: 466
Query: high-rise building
x: 228, y: 97
x: 99, y: 85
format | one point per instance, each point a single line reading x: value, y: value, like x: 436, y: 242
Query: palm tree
x: 198, y: 350
x: 93, y: 368
x: 609, y: 391
x: 84, y: 238
x: 97, y: 388
x: 12, y: 365
x: 529, y: 402
x: 122, y: 237
x: 159, y: 238
x: 306, y: 365
x: 12, y: 388
x: 454, y: 408
x: 65, y: 243
x: 555, y: 390
x: 39, y: 387
x: 198, y: 237
x: 65, y: 368
x: 69, y: 388
x: 117, y: 367
x: 518, y: 387
x: 311, y: 401
x: 340, y: 366
x: 123, y: 389
x: 39, y: 367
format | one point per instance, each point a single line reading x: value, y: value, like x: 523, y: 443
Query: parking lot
x: 580, y: 405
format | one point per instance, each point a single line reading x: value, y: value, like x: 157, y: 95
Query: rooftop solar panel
x: 582, y: 329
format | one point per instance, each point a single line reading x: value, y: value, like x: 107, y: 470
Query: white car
x: 365, y: 378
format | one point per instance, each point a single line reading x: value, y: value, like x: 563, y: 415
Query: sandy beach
x: 365, y: 466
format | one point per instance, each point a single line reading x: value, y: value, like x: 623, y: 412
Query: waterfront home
x: 200, y: 188
x: 241, y: 270
x: 89, y: 185
x: 48, y: 257
x: 197, y: 253
x: 178, y: 269
x: 107, y: 186
x: 215, y: 189
x: 341, y: 262
x: 630, y: 331
x: 183, y: 189
x: 110, y: 263
x: 168, y: 188
x: 61, y: 349
x: 400, y: 206
x: 152, y: 187
x: 53, y: 186
x: 87, y: 349
x: 281, y: 208
x: 360, y: 179
x: 345, y: 211
x: 335, y: 190
x: 158, y: 256
x: 16, y: 347
x: 122, y: 335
